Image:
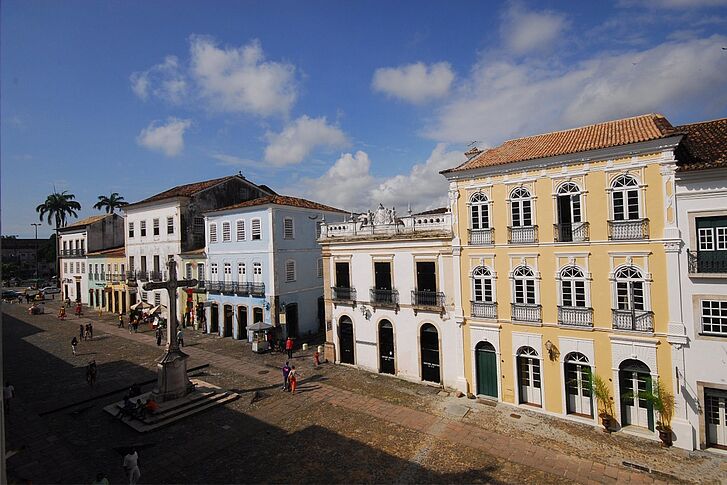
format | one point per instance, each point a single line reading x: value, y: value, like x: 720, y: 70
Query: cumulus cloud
x: 167, y: 138
x: 240, y: 79
x: 165, y: 80
x: 299, y: 138
x: 233, y: 161
x: 504, y: 99
x: 346, y: 185
x: 524, y: 31
x: 415, y: 83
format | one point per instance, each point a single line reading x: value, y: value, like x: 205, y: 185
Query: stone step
x: 183, y: 408
x: 143, y: 427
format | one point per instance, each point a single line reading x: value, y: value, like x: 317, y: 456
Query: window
x: 142, y: 228
x: 188, y: 271
x: 122, y: 269
x: 157, y: 298
x: 320, y: 268
x: 155, y: 225
x: 170, y: 225
x: 257, y: 314
x: 213, y: 271
x: 228, y: 271
x: 198, y: 227
x: 226, y: 235
x: 83, y: 267
x: 479, y: 211
x: 256, y: 229
x: 240, y: 230
x: 524, y: 285
x: 200, y: 272
x: 131, y: 229
x: 213, y: 232
x: 290, y: 270
x: 482, y: 285
x: 625, y: 197
x: 572, y: 287
x: 65, y: 267
x: 131, y: 264
x: 116, y: 267
x: 629, y: 289
x: 257, y: 271
x: 706, y: 239
x: 143, y: 264
x: 569, y: 203
x: 143, y: 296
x: 157, y: 265
x: 65, y: 245
x: 288, y: 228
x: 83, y: 244
x: 521, y: 207
x: 78, y: 267
x: 714, y: 317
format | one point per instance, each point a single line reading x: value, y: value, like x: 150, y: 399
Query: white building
x: 701, y: 356
x: 264, y: 265
x: 389, y: 295
x: 91, y: 234
x: 171, y: 222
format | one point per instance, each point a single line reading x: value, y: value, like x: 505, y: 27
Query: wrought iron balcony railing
x: 427, y: 299
x: 635, y: 320
x: 575, y: 316
x: 228, y: 287
x: 628, y: 229
x: 156, y: 275
x: 484, y: 309
x: 482, y: 237
x: 256, y: 289
x: 72, y: 252
x: 526, y: 312
x: 142, y: 275
x: 384, y: 298
x: 577, y: 232
x: 707, y: 262
x: 213, y: 286
x: 340, y: 293
x: 130, y: 276
x: 522, y: 234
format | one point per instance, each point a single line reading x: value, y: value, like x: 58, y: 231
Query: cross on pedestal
x: 172, y: 381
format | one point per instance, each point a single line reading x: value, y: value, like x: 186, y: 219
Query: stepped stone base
x: 204, y: 396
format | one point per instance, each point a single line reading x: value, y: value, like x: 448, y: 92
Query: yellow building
x: 108, y: 290
x: 565, y: 245
x: 191, y: 301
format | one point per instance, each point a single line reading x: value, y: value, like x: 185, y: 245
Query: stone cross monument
x: 172, y: 380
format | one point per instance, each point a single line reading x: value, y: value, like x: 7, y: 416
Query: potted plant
x: 602, y: 391
x: 662, y: 399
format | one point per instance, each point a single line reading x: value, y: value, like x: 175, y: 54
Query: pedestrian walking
x: 62, y: 313
x: 135, y: 326
x: 91, y: 373
x: 131, y: 466
x: 159, y: 336
x: 121, y: 320
x: 130, y: 326
x: 286, y: 373
x: 316, y: 359
x: 180, y: 338
x: 74, y: 344
x: 90, y: 329
x: 293, y: 378
x: 81, y: 332
x: 8, y: 394
x: 289, y: 347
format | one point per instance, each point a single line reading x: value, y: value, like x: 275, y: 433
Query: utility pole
x: 36, y: 224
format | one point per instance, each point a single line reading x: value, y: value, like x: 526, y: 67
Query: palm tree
x: 56, y: 208
x: 115, y: 201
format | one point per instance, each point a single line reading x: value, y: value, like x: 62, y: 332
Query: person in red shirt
x: 289, y: 347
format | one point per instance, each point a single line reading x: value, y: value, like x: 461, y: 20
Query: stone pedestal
x: 172, y: 380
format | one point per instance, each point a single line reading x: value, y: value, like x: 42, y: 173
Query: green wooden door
x: 486, y: 369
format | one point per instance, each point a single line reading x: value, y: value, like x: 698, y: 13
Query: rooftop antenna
x: 473, y: 143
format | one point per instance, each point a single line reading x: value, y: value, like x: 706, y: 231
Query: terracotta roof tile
x: 85, y: 222
x: 593, y: 137
x: 281, y: 200
x: 189, y: 190
x: 119, y: 252
x: 704, y: 146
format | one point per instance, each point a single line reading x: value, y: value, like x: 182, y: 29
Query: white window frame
x: 290, y: 271
x: 257, y: 272
x: 170, y: 225
x: 705, y: 236
x: 620, y: 279
x: 256, y: 232
x: 517, y: 202
x: 624, y: 188
x: 240, y: 229
x: 155, y: 227
x: 188, y: 271
x: 570, y: 280
x: 520, y: 279
x: 131, y: 230
x: 213, y: 271
x: 486, y: 277
x: 201, y: 275
x: 142, y: 228
x: 288, y: 228
x: 157, y: 298
x: 241, y: 272
x: 717, y: 310
x: 479, y: 206
x: 721, y: 237
x: 213, y: 232
x: 573, y: 190
x: 226, y: 231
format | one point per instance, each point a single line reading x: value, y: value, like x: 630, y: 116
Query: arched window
x: 521, y: 207
x: 482, y: 285
x: 625, y: 198
x: 479, y: 211
x: 569, y: 203
x: 576, y: 358
x: 524, y: 280
x: 630, y: 294
x: 572, y: 287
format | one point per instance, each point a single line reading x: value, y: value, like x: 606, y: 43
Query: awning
x: 141, y: 305
x: 157, y: 308
x: 259, y: 326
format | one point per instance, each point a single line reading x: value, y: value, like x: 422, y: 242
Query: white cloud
x: 505, y: 99
x: 346, y: 185
x: 167, y: 138
x: 240, y: 79
x: 233, y: 161
x: 415, y: 83
x: 165, y: 80
x: 299, y: 138
x: 525, y: 31
x: 674, y: 4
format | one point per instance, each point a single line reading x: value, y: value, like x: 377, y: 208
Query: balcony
x: 130, y: 276
x: 575, y: 316
x: 142, y: 275
x: 157, y: 275
x: 386, y: 223
x: 628, y: 229
x: 427, y: 300
x: 483, y: 309
x: 343, y: 294
x: 634, y: 320
x: 577, y: 232
x: 213, y: 286
x: 256, y: 289
x: 384, y: 298
x: 481, y: 237
x: 65, y: 253
x: 707, y: 262
x: 526, y: 312
x: 229, y: 288
x: 201, y: 284
x: 522, y: 234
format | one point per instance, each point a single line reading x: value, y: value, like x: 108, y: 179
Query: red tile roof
x: 281, y: 200
x: 592, y: 137
x: 189, y: 190
x: 704, y: 146
x: 119, y: 252
x: 85, y: 222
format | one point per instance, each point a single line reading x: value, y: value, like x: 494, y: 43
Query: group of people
x: 290, y: 378
x: 138, y: 409
x: 85, y: 332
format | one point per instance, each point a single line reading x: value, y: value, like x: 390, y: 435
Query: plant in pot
x: 602, y: 391
x: 662, y: 399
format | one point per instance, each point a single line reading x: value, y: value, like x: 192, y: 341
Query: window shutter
x: 240, y: 230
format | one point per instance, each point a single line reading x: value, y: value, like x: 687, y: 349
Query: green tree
x: 56, y: 209
x: 111, y: 203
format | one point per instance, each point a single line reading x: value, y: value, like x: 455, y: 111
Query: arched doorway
x: 291, y: 319
x: 214, y: 318
x: 227, y: 331
x: 429, y: 341
x: 528, y: 369
x: 577, y: 385
x: 486, y: 358
x: 634, y: 378
x: 242, y: 322
x: 387, y: 364
x: 346, y: 340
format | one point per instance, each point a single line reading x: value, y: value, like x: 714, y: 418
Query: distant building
x: 191, y: 302
x: 20, y: 255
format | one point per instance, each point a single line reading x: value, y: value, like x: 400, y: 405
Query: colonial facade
x: 390, y: 296
x: 107, y: 290
x: 564, y: 247
x: 264, y: 265
x: 192, y: 301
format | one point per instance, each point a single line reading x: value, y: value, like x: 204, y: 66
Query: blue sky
x: 348, y: 103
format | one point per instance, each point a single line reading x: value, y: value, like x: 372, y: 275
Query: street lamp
x: 36, y: 224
